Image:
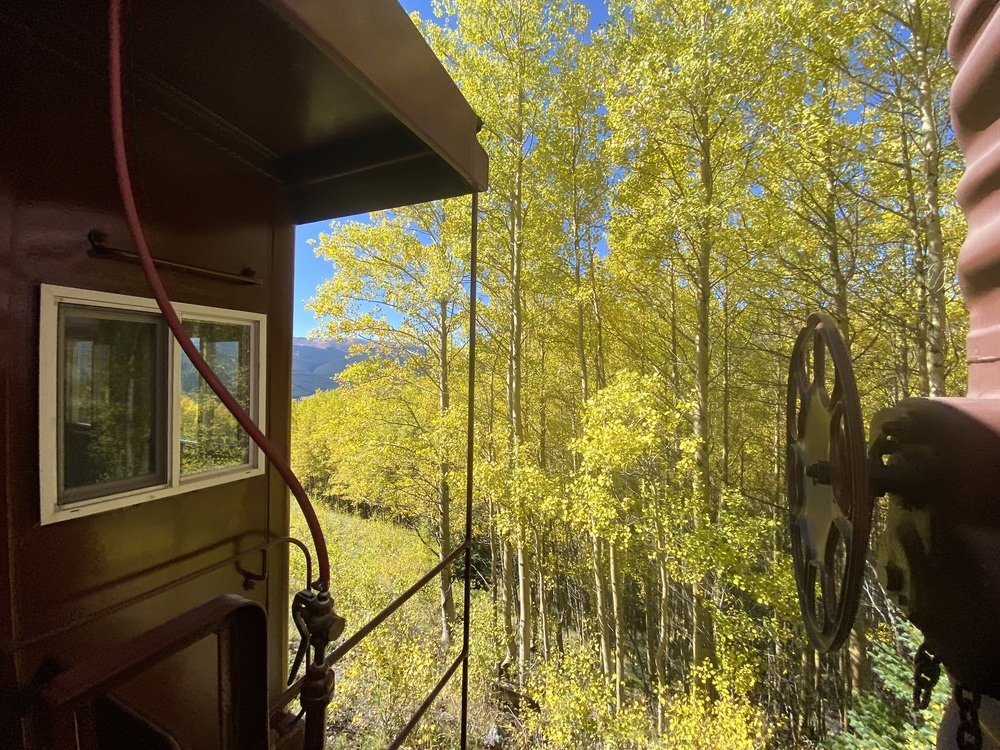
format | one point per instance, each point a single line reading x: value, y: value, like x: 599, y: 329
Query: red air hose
x: 173, y: 321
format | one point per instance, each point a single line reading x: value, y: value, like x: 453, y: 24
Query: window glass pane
x: 112, y: 375
x: 210, y: 436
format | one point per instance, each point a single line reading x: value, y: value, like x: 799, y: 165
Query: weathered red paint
x: 974, y: 45
x: 948, y: 532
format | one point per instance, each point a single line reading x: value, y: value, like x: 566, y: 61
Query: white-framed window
x: 124, y: 418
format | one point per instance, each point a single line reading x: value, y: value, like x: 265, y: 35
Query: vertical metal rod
x: 224, y: 684
x: 315, y: 731
x: 317, y: 691
x: 428, y: 700
x: 86, y: 731
x: 470, y: 437
x: 314, y: 737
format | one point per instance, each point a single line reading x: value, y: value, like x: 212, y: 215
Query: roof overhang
x: 341, y: 101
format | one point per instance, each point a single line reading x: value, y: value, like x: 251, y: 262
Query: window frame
x: 50, y: 393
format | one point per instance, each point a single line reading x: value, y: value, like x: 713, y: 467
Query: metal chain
x: 926, y: 672
x: 970, y: 735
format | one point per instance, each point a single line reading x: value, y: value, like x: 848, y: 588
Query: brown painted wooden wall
x: 203, y: 205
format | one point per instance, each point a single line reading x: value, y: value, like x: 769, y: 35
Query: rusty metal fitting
x: 317, y: 690
x: 322, y: 623
x: 317, y: 623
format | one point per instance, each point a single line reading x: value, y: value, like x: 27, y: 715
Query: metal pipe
x: 317, y: 692
x: 99, y: 250
x: 288, y: 695
x: 470, y: 444
x: 382, y: 616
x: 418, y: 714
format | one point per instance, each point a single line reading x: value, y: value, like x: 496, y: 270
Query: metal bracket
x: 98, y: 249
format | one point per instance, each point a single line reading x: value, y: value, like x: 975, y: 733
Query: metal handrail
x: 342, y: 650
x: 170, y: 585
x: 241, y: 626
x: 466, y: 546
x: 463, y: 658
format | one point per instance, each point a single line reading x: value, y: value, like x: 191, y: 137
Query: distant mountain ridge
x: 316, y: 363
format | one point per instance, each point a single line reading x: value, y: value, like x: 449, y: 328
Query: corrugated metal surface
x: 974, y: 45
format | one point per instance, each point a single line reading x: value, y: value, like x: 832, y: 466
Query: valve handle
x: 299, y: 607
x: 317, y: 623
x: 830, y: 498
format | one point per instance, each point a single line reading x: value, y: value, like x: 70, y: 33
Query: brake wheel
x: 829, y: 496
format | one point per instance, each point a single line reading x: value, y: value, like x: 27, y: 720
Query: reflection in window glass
x: 210, y: 437
x: 112, y: 424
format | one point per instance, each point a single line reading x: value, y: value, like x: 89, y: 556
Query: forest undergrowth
x: 568, y: 703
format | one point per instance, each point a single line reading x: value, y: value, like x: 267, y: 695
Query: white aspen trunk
x: 930, y: 142
x: 618, y: 604
x: 600, y: 596
x: 524, y: 597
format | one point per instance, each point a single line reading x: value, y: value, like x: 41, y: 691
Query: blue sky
x: 310, y: 271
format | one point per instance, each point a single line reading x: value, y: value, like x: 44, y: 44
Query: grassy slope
x: 386, y: 677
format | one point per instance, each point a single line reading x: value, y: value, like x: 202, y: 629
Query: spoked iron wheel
x: 829, y: 496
